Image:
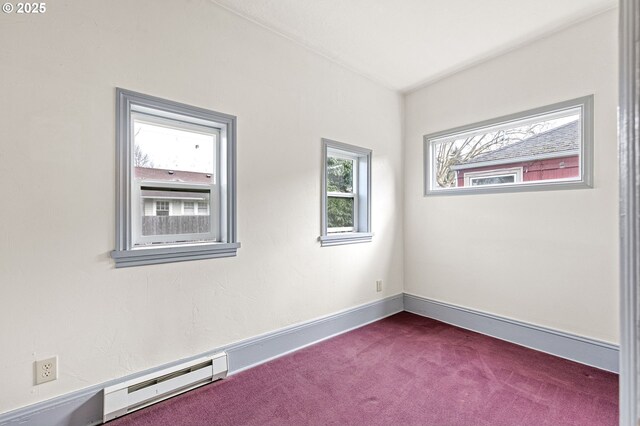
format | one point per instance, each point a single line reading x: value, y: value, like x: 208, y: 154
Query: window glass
x: 161, y: 145
x: 546, y: 146
x: 174, y: 167
x: 339, y: 175
x: 203, y: 208
x: 340, y: 213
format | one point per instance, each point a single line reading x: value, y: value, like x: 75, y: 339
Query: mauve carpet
x: 402, y: 370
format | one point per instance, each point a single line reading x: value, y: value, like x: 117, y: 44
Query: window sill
x: 345, y: 238
x: 169, y: 254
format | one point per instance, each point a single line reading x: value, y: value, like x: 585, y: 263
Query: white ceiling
x: 406, y: 43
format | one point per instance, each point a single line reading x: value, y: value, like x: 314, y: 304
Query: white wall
x: 60, y: 294
x: 547, y: 258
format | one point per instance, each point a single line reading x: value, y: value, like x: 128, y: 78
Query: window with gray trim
x: 175, y: 182
x: 544, y: 148
x: 346, y: 194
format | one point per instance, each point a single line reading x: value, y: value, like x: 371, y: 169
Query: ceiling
x: 404, y: 44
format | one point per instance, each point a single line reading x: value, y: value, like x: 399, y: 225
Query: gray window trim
x: 629, y: 161
x: 125, y: 254
x: 585, y: 103
x: 364, y: 161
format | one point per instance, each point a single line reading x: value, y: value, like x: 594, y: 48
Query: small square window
x: 162, y: 208
x: 176, y: 182
x: 188, y: 210
x: 346, y: 195
x: 203, y: 208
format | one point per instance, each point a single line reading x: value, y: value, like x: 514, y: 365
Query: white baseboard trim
x: 565, y: 345
x: 84, y: 407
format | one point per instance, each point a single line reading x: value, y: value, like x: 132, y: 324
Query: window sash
x: 137, y: 213
x: 354, y: 215
x: 139, y: 240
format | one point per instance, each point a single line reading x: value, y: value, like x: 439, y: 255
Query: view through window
x: 541, y: 148
x: 341, y: 198
x: 175, y: 171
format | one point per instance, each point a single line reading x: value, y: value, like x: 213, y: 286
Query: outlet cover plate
x: 46, y: 370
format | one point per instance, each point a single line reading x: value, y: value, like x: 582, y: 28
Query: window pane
x: 168, y: 217
x: 546, y: 148
x: 174, y: 168
x: 339, y: 175
x: 340, y: 212
x: 493, y: 180
x: 163, y: 147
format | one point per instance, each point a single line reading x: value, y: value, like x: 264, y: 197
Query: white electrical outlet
x: 46, y: 370
x: 379, y: 285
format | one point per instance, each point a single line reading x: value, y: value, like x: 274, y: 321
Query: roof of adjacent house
x: 148, y: 173
x: 563, y: 139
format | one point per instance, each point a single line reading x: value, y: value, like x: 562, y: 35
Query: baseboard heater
x: 131, y: 395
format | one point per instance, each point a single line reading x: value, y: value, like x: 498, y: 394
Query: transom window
x: 545, y: 148
x: 346, y: 195
x: 176, y: 182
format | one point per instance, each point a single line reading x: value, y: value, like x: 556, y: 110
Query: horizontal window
x: 546, y: 148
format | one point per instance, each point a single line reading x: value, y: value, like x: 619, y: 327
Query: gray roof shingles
x: 560, y: 139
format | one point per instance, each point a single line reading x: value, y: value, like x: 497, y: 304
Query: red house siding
x: 550, y: 168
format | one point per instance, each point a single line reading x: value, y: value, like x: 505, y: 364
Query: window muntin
x: 551, y: 145
x: 155, y: 142
x: 346, y: 194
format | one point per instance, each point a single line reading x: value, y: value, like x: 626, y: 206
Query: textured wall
x: 547, y: 258
x: 60, y: 293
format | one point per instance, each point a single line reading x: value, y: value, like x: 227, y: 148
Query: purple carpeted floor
x: 403, y: 370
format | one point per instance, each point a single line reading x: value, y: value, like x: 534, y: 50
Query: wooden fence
x: 169, y: 225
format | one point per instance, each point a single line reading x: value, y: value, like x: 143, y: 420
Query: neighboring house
x: 161, y: 202
x: 553, y: 154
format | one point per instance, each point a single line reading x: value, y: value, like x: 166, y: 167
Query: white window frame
x: 516, y: 172
x: 127, y: 252
x: 585, y: 107
x: 361, y: 230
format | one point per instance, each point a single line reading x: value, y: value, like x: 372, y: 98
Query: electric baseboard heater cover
x: 131, y: 395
